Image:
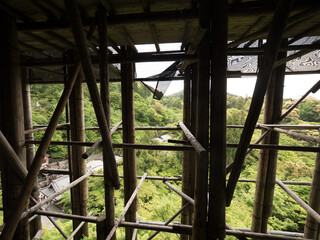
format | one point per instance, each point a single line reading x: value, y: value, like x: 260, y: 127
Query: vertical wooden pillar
x: 311, y: 228
x: 217, y: 189
x: 268, y: 158
x: 104, y: 69
x: 185, y: 155
x: 11, y: 116
x: 193, y: 127
x: 105, y: 99
x: 129, y: 155
x: 264, y: 75
x: 202, y: 134
x: 36, y: 224
x: 78, y: 165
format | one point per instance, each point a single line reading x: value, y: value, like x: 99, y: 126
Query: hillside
x: 157, y: 202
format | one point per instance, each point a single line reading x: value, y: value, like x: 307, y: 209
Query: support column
x: 11, y: 117
x: 78, y: 165
x: 185, y: 155
x: 202, y: 135
x: 36, y: 224
x: 267, y: 167
x: 129, y: 155
x: 263, y: 78
x: 105, y: 99
x: 311, y: 228
x: 217, y: 188
x: 193, y: 127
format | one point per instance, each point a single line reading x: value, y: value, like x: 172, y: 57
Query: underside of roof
x: 43, y: 25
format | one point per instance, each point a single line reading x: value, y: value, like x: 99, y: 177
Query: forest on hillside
x: 156, y: 201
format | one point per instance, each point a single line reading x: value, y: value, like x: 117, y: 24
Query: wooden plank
x: 73, y: 12
x: 273, y: 43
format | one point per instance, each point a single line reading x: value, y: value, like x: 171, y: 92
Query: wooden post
x: 185, y: 155
x: 268, y: 158
x: 311, y: 228
x: 217, y: 188
x: 101, y: 227
x: 105, y: 98
x: 273, y: 43
x: 11, y: 118
x: 25, y: 192
x: 36, y: 224
x: 129, y: 155
x: 193, y: 127
x: 77, y: 28
x: 202, y: 135
x: 104, y: 69
x: 78, y: 165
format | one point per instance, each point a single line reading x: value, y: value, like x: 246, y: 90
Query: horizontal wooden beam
x: 60, y: 126
x: 121, y: 145
x: 151, y: 17
x: 238, y: 10
x: 255, y: 235
x: 174, y: 228
x: 115, y: 58
x: 277, y: 147
x: 67, y: 216
x: 181, y: 148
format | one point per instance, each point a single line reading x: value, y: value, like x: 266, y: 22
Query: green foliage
x: 156, y: 201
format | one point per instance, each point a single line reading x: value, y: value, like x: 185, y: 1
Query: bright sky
x: 295, y: 85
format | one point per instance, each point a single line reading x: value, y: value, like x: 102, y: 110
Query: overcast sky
x: 295, y: 85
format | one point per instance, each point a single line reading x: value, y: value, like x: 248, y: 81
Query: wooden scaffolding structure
x: 77, y: 35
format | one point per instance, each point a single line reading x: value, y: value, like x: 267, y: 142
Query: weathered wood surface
x: 298, y: 200
x: 185, y: 155
x: 78, y: 166
x: 98, y: 143
x: 126, y: 208
x: 128, y: 135
x: 77, y: 28
x: 217, y: 185
x: 273, y: 43
x: 25, y: 192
